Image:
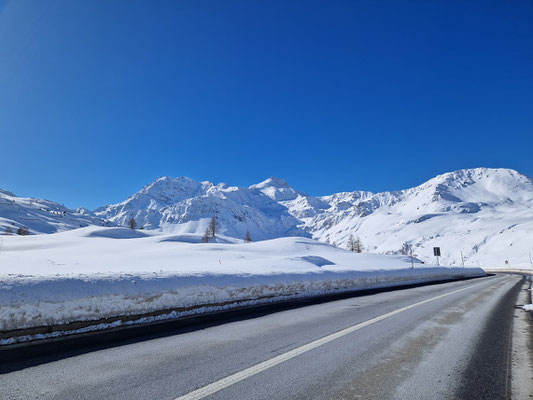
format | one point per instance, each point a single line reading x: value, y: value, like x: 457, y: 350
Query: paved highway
x: 445, y: 341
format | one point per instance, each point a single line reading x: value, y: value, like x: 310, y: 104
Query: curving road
x: 445, y: 341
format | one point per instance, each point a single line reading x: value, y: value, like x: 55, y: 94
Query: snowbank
x: 88, y: 275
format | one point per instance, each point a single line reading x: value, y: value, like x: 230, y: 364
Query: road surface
x: 445, y: 341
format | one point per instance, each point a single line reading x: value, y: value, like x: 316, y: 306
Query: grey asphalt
x: 454, y: 347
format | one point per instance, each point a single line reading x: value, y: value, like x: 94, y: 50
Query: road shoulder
x: 522, y: 348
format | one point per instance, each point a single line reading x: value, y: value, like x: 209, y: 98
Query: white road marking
x: 254, y: 370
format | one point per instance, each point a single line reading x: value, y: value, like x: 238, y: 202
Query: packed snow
x: 92, y: 273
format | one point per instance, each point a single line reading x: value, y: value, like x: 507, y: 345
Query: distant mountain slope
x: 182, y: 205
x: 40, y: 216
x: 485, y: 214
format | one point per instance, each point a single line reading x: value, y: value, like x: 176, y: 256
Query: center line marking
x: 255, y: 369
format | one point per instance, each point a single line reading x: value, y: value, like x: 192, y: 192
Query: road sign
x: 436, y: 251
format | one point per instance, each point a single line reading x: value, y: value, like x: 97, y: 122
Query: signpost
x: 436, y: 253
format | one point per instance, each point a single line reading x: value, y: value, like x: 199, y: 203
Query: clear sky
x: 99, y: 98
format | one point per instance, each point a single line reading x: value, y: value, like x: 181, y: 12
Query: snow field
x: 92, y: 273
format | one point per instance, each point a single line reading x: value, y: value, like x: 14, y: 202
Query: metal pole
x: 412, y: 263
x: 462, y: 259
x: 530, y: 261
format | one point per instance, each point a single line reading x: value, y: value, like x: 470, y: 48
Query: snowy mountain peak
x: 184, y: 206
x: 490, y: 176
x: 480, y: 185
x: 166, y: 190
x: 273, y: 182
x: 277, y: 189
x: 170, y: 185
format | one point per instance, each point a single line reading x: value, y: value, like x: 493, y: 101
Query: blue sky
x: 98, y: 98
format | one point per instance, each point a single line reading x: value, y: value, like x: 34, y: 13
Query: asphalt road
x: 445, y: 341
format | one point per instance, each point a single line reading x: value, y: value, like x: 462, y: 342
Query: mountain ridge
x: 466, y: 211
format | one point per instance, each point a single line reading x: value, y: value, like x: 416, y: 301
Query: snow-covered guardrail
x: 53, y: 307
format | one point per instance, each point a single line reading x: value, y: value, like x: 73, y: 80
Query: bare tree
x: 355, y: 244
x: 9, y: 231
x: 351, y: 243
x: 358, y: 245
x: 23, y: 231
x: 213, y: 226
x: 132, y: 223
x: 247, y: 237
x: 207, y: 235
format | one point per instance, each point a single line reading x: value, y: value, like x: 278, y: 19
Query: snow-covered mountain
x: 485, y: 214
x: 181, y: 205
x: 41, y: 216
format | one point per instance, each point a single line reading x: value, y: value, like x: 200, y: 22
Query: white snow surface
x: 484, y: 213
x: 96, y: 272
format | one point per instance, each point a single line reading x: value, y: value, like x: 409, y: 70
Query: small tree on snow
x: 207, y: 235
x: 213, y: 226
x: 132, y: 223
x: 23, y: 231
x: 358, y: 245
x: 351, y: 243
x: 354, y: 244
x: 9, y: 231
x: 247, y: 237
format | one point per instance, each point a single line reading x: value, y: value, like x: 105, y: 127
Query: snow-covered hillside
x: 40, y: 216
x: 485, y: 214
